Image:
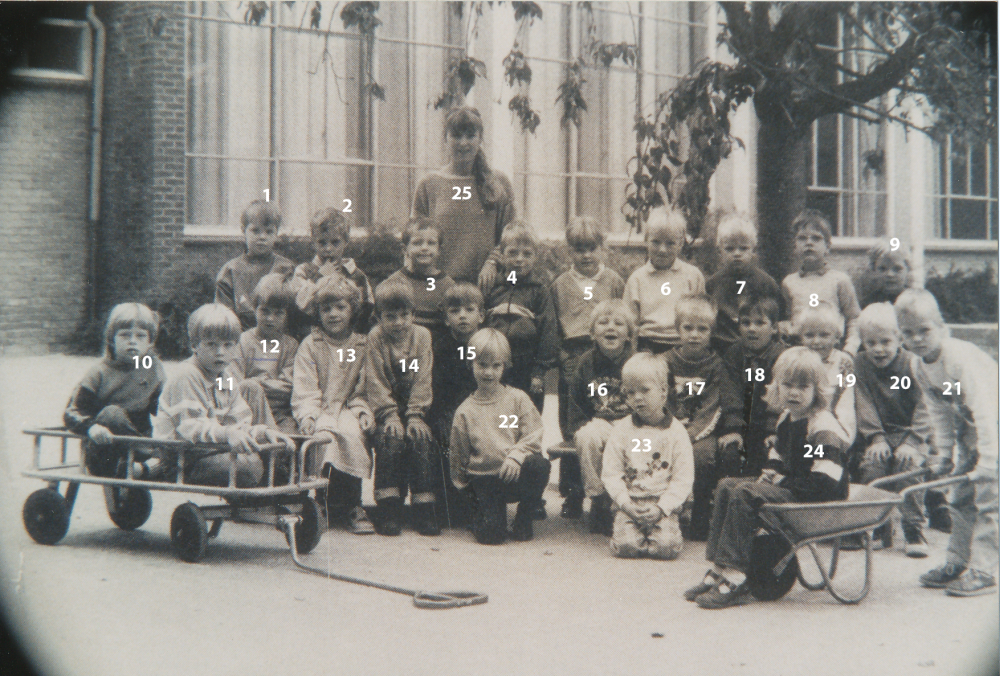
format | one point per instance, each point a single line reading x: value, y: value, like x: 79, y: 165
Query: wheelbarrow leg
x: 828, y: 577
x: 71, y: 490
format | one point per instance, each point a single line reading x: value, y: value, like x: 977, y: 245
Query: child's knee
x: 665, y: 540
x: 536, y: 465
x: 627, y: 541
x: 115, y: 419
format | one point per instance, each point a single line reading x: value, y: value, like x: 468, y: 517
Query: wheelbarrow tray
x: 864, y: 509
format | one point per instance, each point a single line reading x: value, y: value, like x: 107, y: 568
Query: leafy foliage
x: 965, y: 296
x: 516, y: 68
x: 256, y: 11
x: 461, y: 75
x: 571, y: 94
x: 520, y: 104
x: 315, y: 15
x: 605, y: 54
x: 531, y: 10
x: 362, y: 15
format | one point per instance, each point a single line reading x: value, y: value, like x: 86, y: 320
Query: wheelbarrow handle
x: 937, y: 483
x: 902, y: 476
x: 451, y: 599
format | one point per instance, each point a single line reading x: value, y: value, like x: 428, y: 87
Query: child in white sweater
x: 648, y: 467
x: 495, y: 449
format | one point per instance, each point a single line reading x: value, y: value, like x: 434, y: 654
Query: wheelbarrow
x: 788, y: 527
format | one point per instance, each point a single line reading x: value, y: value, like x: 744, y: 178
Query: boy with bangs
x: 893, y: 423
x: 653, y: 289
x: 118, y: 395
x: 328, y: 398
x: 496, y: 446
x: 237, y: 279
x: 398, y: 381
x: 596, y: 401
x: 266, y: 353
x: 703, y: 400
x: 648, y: 468
x: 201, y: 404
x: 422, y: 243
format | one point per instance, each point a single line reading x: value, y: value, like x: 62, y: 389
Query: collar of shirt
x: 578, y: 277
x: 818, y: 272
x: 347, y: 264
x: 675, y: 267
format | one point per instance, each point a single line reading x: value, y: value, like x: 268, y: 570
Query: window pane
x: 968, y: 219
x: 219, y: 190
x: 54, y: 48
x: 825, y: 202
x: 993, y: 220
x: 959, y: 165
x: 978, y: 170
x: 826, y: 151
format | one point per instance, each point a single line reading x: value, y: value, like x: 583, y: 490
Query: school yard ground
x: 108, y: 602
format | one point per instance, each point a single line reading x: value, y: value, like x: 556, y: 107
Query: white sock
x: 735, y: 577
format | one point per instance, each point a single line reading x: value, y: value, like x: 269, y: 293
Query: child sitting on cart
x: 118, y: 395
x: 805, y: 464
x: 200, y: 404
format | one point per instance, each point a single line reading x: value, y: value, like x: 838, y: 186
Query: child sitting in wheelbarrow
x: 201, y: 404
x: 805, y: 464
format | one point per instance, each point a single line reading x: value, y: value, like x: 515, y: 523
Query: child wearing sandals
x: 328, y: 389
x: 118, y: 395
x: 805, y: 464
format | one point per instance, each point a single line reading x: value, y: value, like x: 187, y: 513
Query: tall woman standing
x: 470, y: 202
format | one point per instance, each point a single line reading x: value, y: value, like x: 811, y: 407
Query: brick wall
x: 44, y: 166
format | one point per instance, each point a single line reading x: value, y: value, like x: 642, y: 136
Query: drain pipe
x: 96, y: 134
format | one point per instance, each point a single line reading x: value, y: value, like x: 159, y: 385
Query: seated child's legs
x: 572, y: 349
x: 754, y: 450
x: 103, y: 460
x: 627, y: 540
x: 418, y: 458
x: 528, y: 488
x: 343, y: 493
x: 590, y: 440
x: 490, y: 521
x: 213, y: 470
x: 704, y: 483
x: 389, y: 452
x: 734, y: 523
x: 663, y: 539
x: 974, y: 531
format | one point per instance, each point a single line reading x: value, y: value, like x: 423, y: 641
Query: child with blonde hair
x: 495, y: 449
x: 821, y: 330
x: 806, y: 463
x: 889, y: 273
x: 648, y: 468
x: 118, y: 395
x: 653, y: 289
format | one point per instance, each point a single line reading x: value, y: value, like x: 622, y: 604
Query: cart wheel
x: 188, y: 533
x: 46, y: 516
x: 310, y: 529
x: 129, y: 508
x: 768, y: 550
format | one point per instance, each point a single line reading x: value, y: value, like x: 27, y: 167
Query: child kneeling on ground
x: 200, y: 404
x: 118, y: 395
x: 496, y: 446
x: 805, y: 464
x: 648, y: 466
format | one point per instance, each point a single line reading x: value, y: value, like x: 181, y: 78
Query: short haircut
x: 273, y: 291
x: 811, y: 218
x: 335, y: 287
x: 919, y: 303
x: 213, y: 322
x: 584, y: 230
x: 463, y: 294
x: 878, y: 317
x: 328, y: 222
x: 129, y: 316
x: 260, y: 213
x: 735, y: 226
x: 518, y: 232
x: 670, y: 220
x: 883, y: 250
x: 615, y: 307
x: 416, y: 224
x: 766, y: 306
x: 491, y: 344
x: 824, y: 315
x: 391, y: 296
x: 696, y: 305
x: 646, y: 366
x: 801, y: 366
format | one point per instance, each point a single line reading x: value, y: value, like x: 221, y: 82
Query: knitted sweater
x: 524, y: 313
x: 594, y: 370
x: 306, y: 279
x: 832, y: 287
x: 810, y: 473
x: 655, y: 309
x: 238, y: 278
x: 273, y: 370
x: 428, y: 304
x: 886, y: 410
x: 569, y: 296
x: 702, y: 397
x: 738, y: 359
x: 729, y: 297
x: 391, y: 390
x: 328, y: 377
x: 839, y: 365
x: 135, y: 390
x: 479, y: 445
x: 662, y: 469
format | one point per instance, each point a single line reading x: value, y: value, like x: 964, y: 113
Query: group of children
x: 689, y: 403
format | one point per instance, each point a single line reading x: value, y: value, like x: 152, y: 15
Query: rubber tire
x: 46, y: 516
x: 134, y: 510
x: 310, y: 529
x: 768, y: 550
x: 188, y: 532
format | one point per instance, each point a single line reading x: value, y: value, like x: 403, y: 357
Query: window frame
x: 54, y: 75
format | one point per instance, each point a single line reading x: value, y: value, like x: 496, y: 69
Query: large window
x: 965, y: 191
x: 279, y: 107
x: 59, y: 46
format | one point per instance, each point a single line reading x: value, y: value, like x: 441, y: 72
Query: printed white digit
x: 147, y: 362
x: 267, y: 194
x: 957, y: 386
x: 467, y: 353
x: 458, y: 192
x: 229, y: 380
x: 508, y: 422
x: 350, y: 354
x: 641, y: 446
x: 646, y: 446
x: 757, y: 375
x: 512, y: 277
x: 636, y: 449
x: 665, y: 289
x: 347, y: 209
x: 601, y: 389
x: 700, y: 384
x: 900, y: 383
x: 813, y: 299
x: 513, y: 421
x: 588, y: 292
x: 894, y: 244
x: 413, y: 365
x: 742, y: 285
x: 275, y: 347
x: 850, y: 380
x: 431, y: 284
x: 466, y: 193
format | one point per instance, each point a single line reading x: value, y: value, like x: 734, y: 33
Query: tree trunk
x: 781, y: 193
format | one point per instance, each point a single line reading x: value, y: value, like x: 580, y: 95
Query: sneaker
x: 972, y: 583
x: 359, y: 521
x: 725, y: 595
x: 916, y: 545
x: 426, y: 521
x: 711, y: 579
x: 940, y: 519
x: 572, y: 506
x: 941, y: 577
x: 390, y: 511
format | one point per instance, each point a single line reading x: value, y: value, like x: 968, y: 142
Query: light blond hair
x: 646, y: 366
x: 918, y: 303
x: 518, y: 232
x: 801, y: 366
x: 213, y: 321
x: 878, y: 317
x: 670, y: 220
x: 824, y: 315
x: 697, y: 306
x: 584, y: 230
x: 736, y: 225
x: 615, y: 307
x: 490, y: 344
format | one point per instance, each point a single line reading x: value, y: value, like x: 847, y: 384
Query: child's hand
x: 907, y: 458
x: 649, y: 514
x: 633, y: 510
x: 878, y: 452
x: 264, y: 435
x: 537, y: 385
x: 100, y: 435
x: 393, y: 427
x: 365, y: 421
x: 510, y: 470
x: 311, y: 271
x: 939, y: 465
x: 732, y: 437
x: 307, y: 427
x: 418, y: 430
x: 770, y: 476
x: 488, y: 275
x: 239, y: 440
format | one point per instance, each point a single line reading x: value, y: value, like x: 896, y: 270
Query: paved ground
x: 108, y: 602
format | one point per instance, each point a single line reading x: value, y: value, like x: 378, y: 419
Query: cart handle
x: 902, y: 476
x: 946, y: 481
